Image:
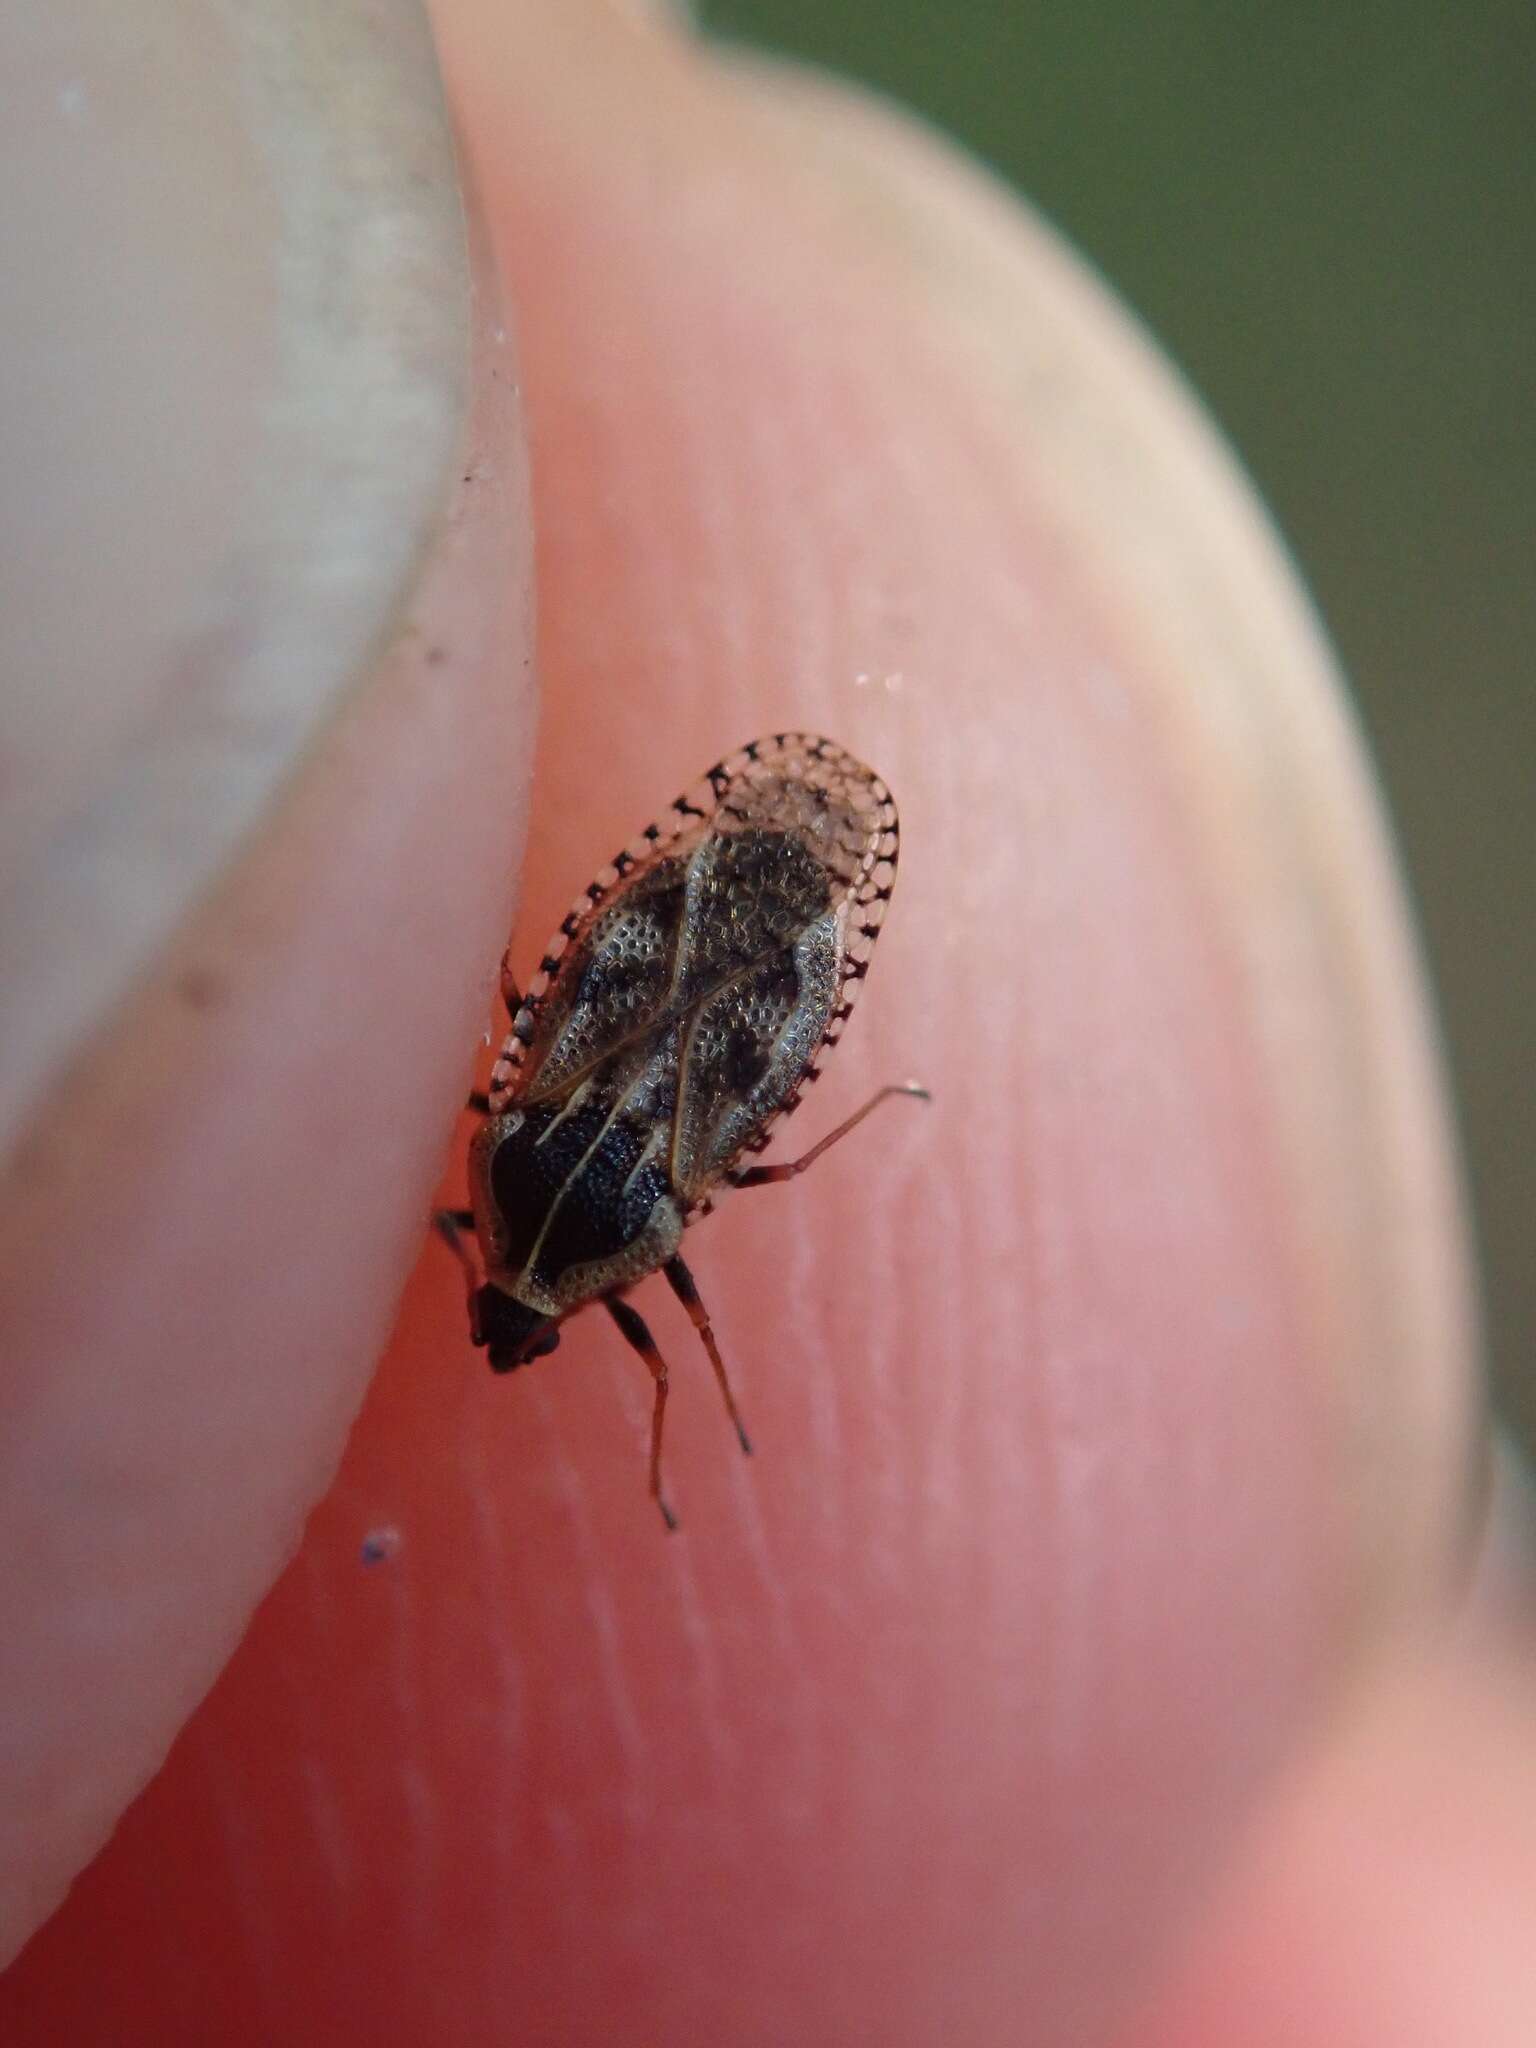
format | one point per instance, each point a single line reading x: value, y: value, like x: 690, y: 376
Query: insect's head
x: 510, y: 1331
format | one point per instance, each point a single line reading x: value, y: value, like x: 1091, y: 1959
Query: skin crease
x: 1110, y: 1413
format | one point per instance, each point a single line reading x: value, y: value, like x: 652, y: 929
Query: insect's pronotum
x: 677, y: 1015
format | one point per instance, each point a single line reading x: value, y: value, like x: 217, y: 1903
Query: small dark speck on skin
x: 201, y: 988
x: 436, y: 656
x: 379, y: 1545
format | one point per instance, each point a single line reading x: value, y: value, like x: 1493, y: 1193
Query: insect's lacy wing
x: 700, y: 917
x: 603, y: 983
x: 785, y: 900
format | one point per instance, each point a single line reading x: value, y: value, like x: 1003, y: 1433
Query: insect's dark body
x: 676, y: 1016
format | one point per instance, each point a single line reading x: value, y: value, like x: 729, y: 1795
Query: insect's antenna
x: 681, y: 1281
x: 635, y: 1333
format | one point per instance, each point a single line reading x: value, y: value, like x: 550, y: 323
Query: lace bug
x: 676, y: 1017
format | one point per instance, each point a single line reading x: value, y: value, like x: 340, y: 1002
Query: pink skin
x: 1386, y: 1896
x: 1109, y: 1412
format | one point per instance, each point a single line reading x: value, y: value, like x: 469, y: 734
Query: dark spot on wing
x: 575, y: 1191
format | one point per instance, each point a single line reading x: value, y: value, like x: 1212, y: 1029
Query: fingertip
x: 1055, y: 1540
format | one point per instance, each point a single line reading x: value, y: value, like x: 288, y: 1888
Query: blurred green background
x: 1325, y: 213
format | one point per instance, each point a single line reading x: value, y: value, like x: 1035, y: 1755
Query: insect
x: 677, y: 1015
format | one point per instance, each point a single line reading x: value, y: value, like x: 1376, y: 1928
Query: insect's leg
x: 635, y: 1333
x: 681, y: 1282
x: 759, y: 1176
x: 453, y: 1226
x: 509, y: 994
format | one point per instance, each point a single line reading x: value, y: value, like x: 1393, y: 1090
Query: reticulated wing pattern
x: 748, y: 915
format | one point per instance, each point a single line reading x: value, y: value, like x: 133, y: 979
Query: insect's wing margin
x: 860, y: 859
x: 864, y: 857
x: 818, y: 904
